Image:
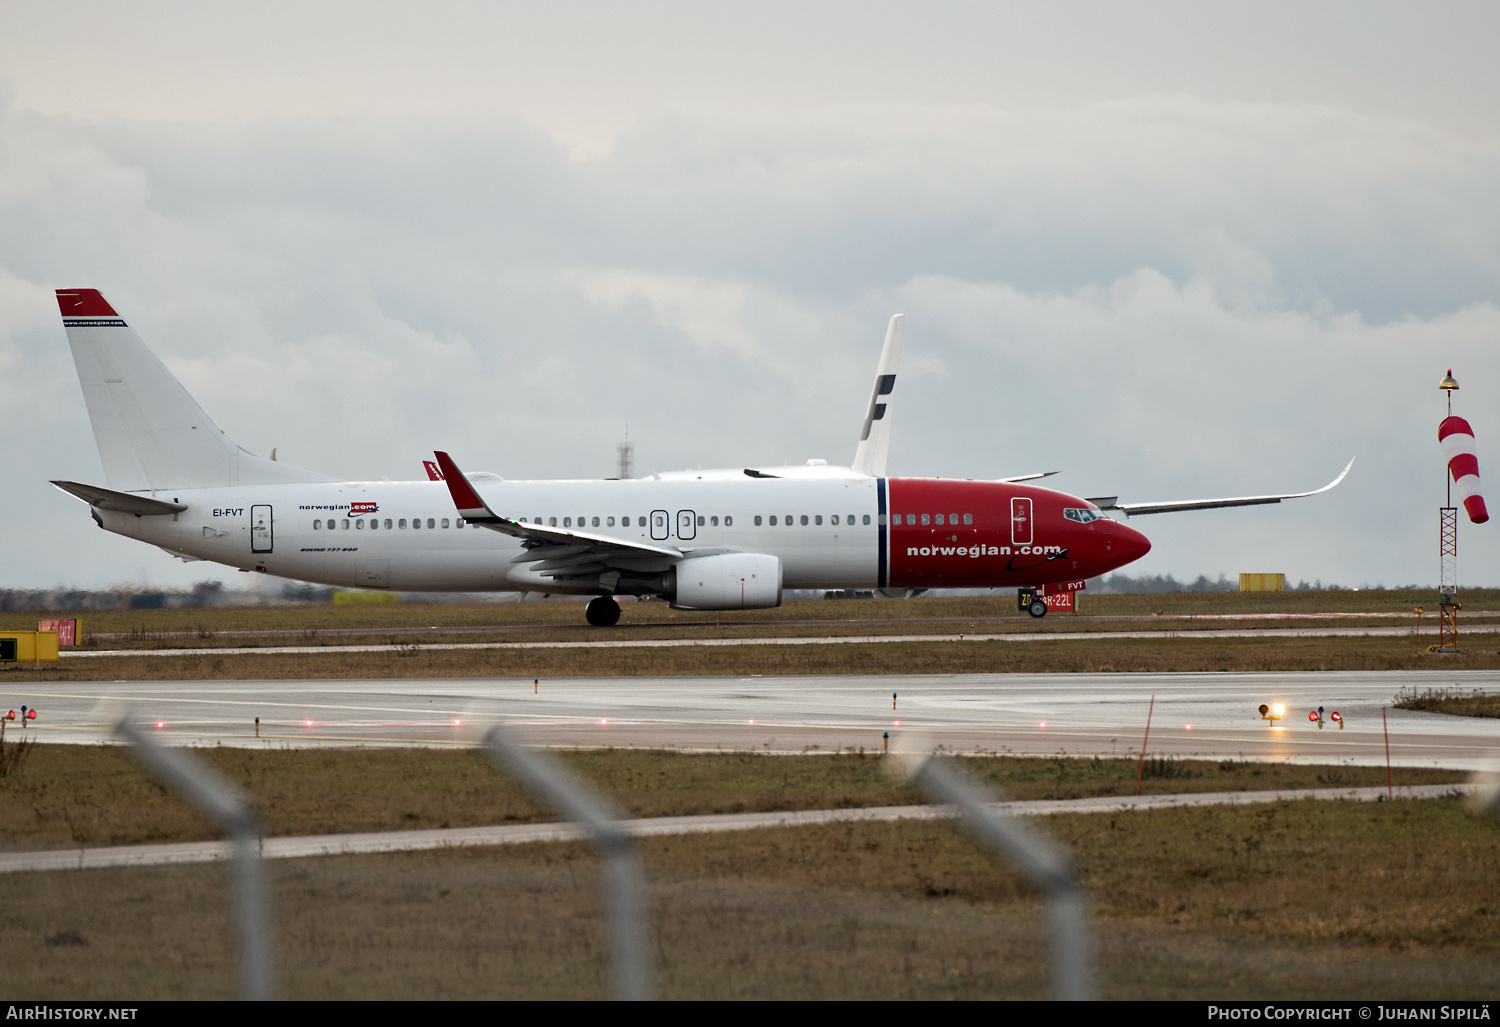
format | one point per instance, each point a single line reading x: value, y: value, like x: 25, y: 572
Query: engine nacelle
x: 729, y: 581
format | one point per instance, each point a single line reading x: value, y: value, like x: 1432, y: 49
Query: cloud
x: 1163, y: 296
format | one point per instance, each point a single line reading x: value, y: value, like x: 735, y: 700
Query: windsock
x: 1457, y: 439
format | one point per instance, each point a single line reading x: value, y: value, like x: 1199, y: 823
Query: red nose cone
x: 1130, y: 544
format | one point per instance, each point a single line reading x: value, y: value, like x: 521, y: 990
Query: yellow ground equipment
x: 28, y: 647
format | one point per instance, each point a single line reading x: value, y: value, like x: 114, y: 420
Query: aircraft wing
x: 1137, y: 509
x: 1025, y: 477
x: 562, y: 551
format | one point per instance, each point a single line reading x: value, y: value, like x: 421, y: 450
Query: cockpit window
x: 1082, y: 516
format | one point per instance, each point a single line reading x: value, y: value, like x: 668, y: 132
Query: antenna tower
x: 627, y: 455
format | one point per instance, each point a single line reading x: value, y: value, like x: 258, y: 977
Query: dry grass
x: 1183, y: 653
x: 199, y: 626
x: 1449, y: 700
x: 1296, y: 900
x: 75, y: 795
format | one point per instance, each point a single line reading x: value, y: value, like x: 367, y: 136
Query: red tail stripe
x: 83, y: 303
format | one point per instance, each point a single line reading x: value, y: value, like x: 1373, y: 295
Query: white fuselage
x: 329, y: 533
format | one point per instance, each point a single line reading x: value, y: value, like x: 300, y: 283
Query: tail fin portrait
x: 151, y: 434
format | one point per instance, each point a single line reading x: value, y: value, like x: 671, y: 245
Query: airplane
x: 728, y: 539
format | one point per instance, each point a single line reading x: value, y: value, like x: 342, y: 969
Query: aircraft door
x: 1020, y: 521
x: 261, y: 537
x: 687, y: 525
x: 661, y: 527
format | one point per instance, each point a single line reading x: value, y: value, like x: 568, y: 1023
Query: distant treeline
x: 1124, y: 584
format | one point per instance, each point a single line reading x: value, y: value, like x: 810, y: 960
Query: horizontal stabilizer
x: 108, y: 499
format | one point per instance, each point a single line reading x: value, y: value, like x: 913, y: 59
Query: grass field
x: 1449, y: 700
x: 1282, y: 901
x: 76, y: 795
x: 905, y: 616
x: 1182, y: 653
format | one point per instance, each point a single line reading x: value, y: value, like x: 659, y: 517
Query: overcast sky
x: 1171, y: 250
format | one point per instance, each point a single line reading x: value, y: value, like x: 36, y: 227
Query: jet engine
x: 728, y: 581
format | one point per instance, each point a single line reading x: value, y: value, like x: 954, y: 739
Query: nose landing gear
x: 1030, y: 602
x: 603, y: 612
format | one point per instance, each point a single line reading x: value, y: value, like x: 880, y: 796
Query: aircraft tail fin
x: 151, y: 434
x: 875, y: 438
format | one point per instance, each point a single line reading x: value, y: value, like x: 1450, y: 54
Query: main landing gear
x: 603, y: 612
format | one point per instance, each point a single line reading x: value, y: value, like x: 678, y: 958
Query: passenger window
x: 431, y: 525
x: 416, y: 522
x: 625, y: 522
x: 728, y: 521
x: 445, y: 522
x: 867, y: 518
x: 851, y: 519
x: 457, y: 524
x: 596, y: 522
x: 582, y: 521
x: 968, y: 518
x: 702, y: 520
x: 609, y: 522
x: 387, y: 523
x: 953, y: 518
x: 789, y: 520
x: 551, y: 522
x: 317, y: 525
x: 402, y: 522
x: 714, y: 521
x: 567, y: 522
x: 757, y: 520
x: 818, y: 519
x: 374, y: 523
x: 773, y: 520
x: 834, y: 520
x: 924, y: 519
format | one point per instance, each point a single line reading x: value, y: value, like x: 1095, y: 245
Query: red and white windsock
x: 1463, y: 463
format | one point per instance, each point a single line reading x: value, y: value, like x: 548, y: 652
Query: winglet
x: 433, y: 474
x: 470, y: 506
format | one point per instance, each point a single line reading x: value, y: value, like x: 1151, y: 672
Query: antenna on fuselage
x: 875, y: 437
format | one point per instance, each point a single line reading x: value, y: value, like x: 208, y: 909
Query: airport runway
x: 1209, y: 715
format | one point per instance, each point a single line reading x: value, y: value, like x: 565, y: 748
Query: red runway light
x: 1335, y: 716
x: 1043, y: 725
x: 1313, y: 716
x: 160, y: 724
x: 1188, y: 727
x: 309, y: 723
x: 456, y: 724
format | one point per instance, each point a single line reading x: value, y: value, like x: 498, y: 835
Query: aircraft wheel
x: 1037, y: 609
x: 603, y: 612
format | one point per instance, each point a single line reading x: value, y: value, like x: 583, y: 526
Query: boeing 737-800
x: 706, y: 540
